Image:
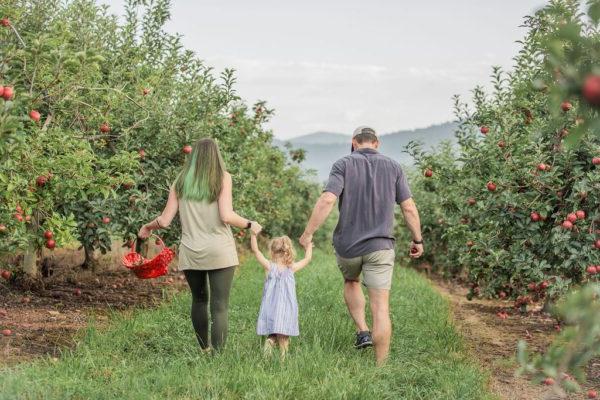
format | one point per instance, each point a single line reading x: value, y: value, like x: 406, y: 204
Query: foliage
x: 514, y: 209
x: 576, y: 345
x: 494, y: 208
x: 117, y: 102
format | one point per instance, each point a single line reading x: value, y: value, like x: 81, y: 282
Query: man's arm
x: 319, y: 215
x: 413, y: 222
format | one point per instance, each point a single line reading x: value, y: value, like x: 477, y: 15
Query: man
x: 368, y: 185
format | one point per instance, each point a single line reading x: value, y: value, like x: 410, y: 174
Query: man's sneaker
x: 363, y: 340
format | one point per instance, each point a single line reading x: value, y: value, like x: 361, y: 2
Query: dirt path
x: 47, y: 320
x: 493, y: 341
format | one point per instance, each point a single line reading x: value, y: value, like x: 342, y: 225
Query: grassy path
x: 153, y: 354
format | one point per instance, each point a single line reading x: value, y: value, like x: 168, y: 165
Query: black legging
x: 219, y: 281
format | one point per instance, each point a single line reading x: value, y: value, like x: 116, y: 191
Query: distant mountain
x: 324, y: 148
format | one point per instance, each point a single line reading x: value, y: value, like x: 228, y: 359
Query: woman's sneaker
x: 363, y: 340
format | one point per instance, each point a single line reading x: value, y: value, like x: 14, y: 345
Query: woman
x: 207, y: 254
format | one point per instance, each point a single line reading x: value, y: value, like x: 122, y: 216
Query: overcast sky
x: 331, y: 65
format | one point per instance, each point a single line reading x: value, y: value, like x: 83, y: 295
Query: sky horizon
x: 333, y: 65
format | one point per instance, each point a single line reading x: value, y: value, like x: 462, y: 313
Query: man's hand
x: 416, y: 250
x: 306, y: 239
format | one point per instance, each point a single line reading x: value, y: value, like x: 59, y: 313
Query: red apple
x: 428, y: 173
x: 591, y: 89
x: 5, y: 274
x: 597, y: 244
x: 187, y: 149
x: 142, y: 153
x: 548, y: 381
x: 471, y: 201
x: 484, y: 129
x: 592, y: 394
x: 544, y: 285
x: 501, y: 144
x: 3, y: 228
x: 580, y: 214
x: 596, y: 160
x: 572, y: 217
x: 1, y: 91
x: 592, y: 270
x: 532, y: 287
x: 28, y: 218
x: 566, y: 106
x: 5, y: 21
x: 502, y: 295
x: 535, y: 217
x: 41, y: 180
x: 542, y: 167
x: 48, y: 235
x: 35, y: 115
x: 19, y: 217
x: 105, y: 220
x: 146, y: 91
x: 50, y: 244
x: 6, y: 332
x: 18, y: 209
x: 491, y: 186
x: 567, y: 225
x: 8, y: 93
x: 105, y: 128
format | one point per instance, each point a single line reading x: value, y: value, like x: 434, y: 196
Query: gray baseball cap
x: 363, y: 129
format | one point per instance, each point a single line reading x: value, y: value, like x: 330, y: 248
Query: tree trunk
x: 90, y: 261
x: 30, y: 265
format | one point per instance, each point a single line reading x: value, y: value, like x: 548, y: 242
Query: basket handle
x: 133, y: 243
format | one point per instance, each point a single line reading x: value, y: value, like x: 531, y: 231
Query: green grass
x: 153, y: 354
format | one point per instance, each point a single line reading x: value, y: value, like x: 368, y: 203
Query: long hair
x: 201, y: 178
x: 283, y: 249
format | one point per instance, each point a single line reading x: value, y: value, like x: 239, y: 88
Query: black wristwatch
x: 417, y: 241
x: 249, y: 225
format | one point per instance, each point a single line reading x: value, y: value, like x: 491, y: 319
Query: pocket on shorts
x: 350, y: 267
x: 378, y: 269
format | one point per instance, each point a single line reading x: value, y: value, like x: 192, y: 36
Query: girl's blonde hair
x: 283, y: 249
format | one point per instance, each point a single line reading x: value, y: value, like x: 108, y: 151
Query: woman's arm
x: 163, y: 220
x: 306, y: 260
x: 228, y: 216
x: 257, y: 253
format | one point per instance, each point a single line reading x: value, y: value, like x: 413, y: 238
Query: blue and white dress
x: 279, y: 307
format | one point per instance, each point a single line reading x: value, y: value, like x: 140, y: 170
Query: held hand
x: 306, y: 240
x: 144, y: 232
x: 255, y: 228
x: 416, y: 250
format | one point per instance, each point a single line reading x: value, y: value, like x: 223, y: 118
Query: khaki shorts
x: 377, y: 268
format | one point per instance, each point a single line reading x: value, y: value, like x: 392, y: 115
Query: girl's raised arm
x: 306, y: 260
x: 257, y: 253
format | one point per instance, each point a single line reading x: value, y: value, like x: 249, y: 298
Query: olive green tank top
x: 206, y: 242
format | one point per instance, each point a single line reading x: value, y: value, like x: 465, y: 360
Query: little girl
x: 278, y: 316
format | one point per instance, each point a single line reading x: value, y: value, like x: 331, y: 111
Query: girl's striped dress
x: 279, y: 307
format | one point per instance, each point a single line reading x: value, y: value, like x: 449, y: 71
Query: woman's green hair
x: 202, y: 176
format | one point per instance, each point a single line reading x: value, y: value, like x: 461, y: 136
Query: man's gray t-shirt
x: 368, y: 185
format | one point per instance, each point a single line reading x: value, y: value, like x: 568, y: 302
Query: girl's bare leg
x: 283, y: 341
x: 270, y: 343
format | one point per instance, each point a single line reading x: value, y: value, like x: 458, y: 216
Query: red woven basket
x: 145, y: 268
